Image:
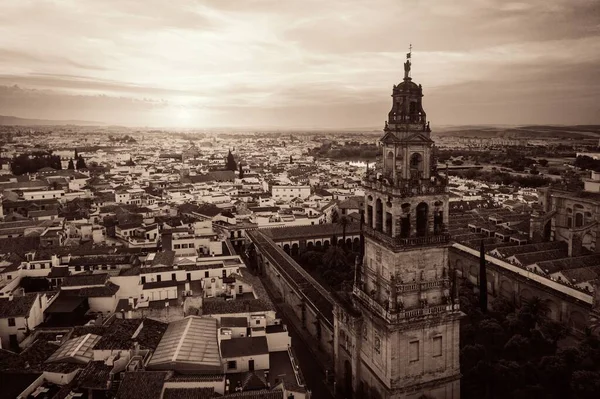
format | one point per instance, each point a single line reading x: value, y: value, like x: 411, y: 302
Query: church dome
x: 406, y: 85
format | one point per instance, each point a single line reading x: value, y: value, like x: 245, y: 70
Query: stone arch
x: 506, y: 290
x: 416, y: 161
x: 326, y: 244
x: 459, y: 266
x: 348, y: 378
x: 340, y: 242
x: 318, y: 245
x: 286, y: 248
x: 378, y: 215
x: 553, y: 310
x: 526, y: 294
x: 578, y: 219
x: 310, y: 246
x: 356, y: 244
x: 422, y: 219
x: 577, y: 321
x: 474, y: 270
x: 348, y: 242
x: 294, y: 249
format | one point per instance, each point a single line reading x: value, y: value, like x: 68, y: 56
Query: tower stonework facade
x: 397, y: 335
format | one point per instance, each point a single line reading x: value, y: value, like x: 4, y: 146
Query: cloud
x: 265, y: 62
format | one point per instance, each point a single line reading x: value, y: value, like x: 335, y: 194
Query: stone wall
x: 517, y: 289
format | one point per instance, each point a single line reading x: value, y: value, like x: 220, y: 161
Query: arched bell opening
x: 416, y: 165
x: 379, y: 215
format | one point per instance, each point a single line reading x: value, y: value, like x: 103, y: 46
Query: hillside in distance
x: 16, y: 121
x: 523, y: 132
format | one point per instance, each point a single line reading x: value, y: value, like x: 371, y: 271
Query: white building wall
x: 261, y: 362
x: 103, y: 304
x: 278, y: 341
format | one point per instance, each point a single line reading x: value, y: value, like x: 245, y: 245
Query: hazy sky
x: 298, y: 63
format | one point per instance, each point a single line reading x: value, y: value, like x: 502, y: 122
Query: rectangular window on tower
x: 437, y: 346
x: 413, y: 351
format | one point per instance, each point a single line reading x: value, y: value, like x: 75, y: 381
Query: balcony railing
x: 422, y: 286
x: 400, y: 242
x: 398, y: 316
x: 406, y: 188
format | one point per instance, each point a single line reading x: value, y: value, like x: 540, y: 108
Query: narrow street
x: 311, y: 369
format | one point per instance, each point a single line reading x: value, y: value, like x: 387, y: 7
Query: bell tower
x: 403, y: 325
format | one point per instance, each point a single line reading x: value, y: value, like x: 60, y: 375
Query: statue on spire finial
x: 407, y: 63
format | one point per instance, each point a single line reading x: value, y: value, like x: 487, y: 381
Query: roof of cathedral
x: 295, y: 275
x: 311, y: 231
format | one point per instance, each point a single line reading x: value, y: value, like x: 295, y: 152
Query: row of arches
x: 294, y: 249
x: 380, y: 219
x: 415, y: 161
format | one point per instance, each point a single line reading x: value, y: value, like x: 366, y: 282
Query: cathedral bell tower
x: 405, y: 343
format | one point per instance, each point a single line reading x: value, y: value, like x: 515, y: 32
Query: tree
x: 241, y: 171
x: 533, y: 312
x: 71, y: 165
x: 231, y: 164
x: 311, y: 259
x: 585, y: 384
x: 517, y: 348
x: 470, y: 355
x: 335, y: 258
x: 344, y: 222
x: 483, y: 297
x: 81, y: 163
x: 335, y: 267
x: 334, y: 216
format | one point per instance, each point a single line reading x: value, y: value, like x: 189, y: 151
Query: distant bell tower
x: 400, y: 337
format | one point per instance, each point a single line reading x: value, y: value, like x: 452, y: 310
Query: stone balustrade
x: 401, y: 315
x: 403, y: 242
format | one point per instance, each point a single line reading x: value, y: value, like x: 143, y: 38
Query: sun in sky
x: 183, y: 115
